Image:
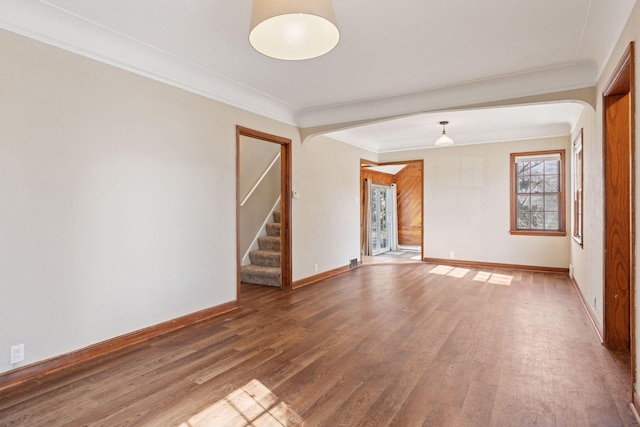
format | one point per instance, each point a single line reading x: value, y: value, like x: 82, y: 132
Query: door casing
x: 285, y: 203
x: 619, y: 214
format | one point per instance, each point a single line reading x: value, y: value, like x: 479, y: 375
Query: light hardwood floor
x: 403, y: 345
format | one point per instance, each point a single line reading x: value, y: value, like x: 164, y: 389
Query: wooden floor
x: 402, y: 345
x: 397, y: 257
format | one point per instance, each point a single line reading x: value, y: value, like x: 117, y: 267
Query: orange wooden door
x: 617, y: 166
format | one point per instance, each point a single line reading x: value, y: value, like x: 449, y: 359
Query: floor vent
x: 353, y: 263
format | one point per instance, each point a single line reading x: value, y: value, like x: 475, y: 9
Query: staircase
x: 265, y: 262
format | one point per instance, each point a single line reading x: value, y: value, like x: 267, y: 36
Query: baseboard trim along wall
x: 590, y: 312
x: 635, y: 406
x: 458, y: 262
x: 320, y: 276
x: 39, y: 372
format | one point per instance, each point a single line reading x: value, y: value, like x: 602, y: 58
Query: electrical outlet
x: 452, y: 255
x: 316, y: 268
x: 17, y: 353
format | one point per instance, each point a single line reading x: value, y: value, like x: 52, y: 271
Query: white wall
x: 326, y: 219
x: 255, y: 157
x: 117, y: 200
x: 587, y: 260
x: 466, y: 204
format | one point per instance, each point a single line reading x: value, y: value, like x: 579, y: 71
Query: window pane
x: 524, y: 184
x: 552, y: 167
x: 524, y: 203
x: 537, y: 220
x: 551, y: 183
x: 537, y: 184
x: 537, y: 203
x: 522, y: 168
x: 551, y: 221
x: 537, y: 168
x: 383, y: 218
x: 551, y: 202
x: 523, y: 220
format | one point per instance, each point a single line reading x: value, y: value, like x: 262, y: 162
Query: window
x: 577, y: 188
x: 537, y: 193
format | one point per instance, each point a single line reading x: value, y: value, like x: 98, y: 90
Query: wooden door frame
x: 285, y: 203
x: 405, y: 162
x: 622, y: 82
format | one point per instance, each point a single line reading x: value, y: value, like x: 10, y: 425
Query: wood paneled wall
x: 377, y: 177
x: 409, y: 182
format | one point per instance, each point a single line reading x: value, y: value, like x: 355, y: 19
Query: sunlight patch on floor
x: 442, y: 270
x: 496, y: 279
x: 446, y: 270
x: 251, y: 405
x: 458, y: 272
x: 482, y: 276
x: 501, y: 279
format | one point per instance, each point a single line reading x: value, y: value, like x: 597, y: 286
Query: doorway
x: 284, y: 159
x: 401, y: 182
x: 619, y: 232
x: 381, y: 218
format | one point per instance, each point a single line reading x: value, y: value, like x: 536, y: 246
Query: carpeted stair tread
x: 261, y: 275
x: 265, y: 262
x: 273, y: 229
x: 269, y: 243
x: 266, y: 258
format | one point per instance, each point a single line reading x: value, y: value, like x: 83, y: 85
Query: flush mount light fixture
x: 444, y: 139
x: 292, y: 29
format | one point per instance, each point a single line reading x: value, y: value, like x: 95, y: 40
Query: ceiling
x: 466, y: 127
x: 393, y: 59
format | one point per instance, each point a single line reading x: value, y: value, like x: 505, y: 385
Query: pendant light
x: 444, y: 139
x: 293, y: 29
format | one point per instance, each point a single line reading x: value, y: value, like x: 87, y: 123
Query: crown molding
x: 48, y: 24
x: 56, y: 27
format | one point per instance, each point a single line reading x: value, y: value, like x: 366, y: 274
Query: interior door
x: 619, y: 198
x: 618, y: 235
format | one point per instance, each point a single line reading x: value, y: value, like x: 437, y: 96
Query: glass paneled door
x: 380, y: 200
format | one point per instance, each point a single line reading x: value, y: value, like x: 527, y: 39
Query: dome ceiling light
x: 293, y: 30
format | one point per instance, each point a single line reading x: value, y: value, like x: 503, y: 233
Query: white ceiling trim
x: 54, y: 26
x: 50, y: 24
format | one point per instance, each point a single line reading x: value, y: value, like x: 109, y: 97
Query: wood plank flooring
x: 399, y: 345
